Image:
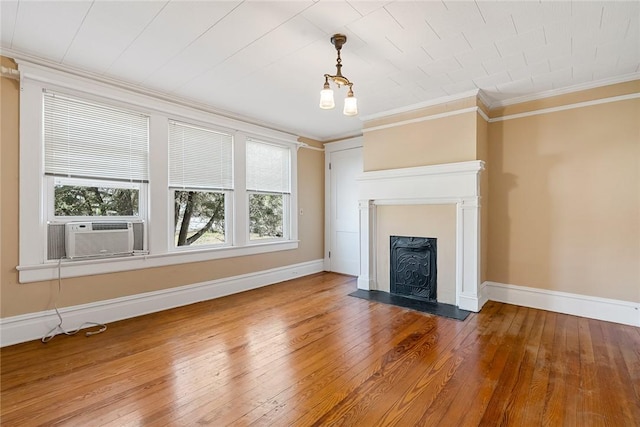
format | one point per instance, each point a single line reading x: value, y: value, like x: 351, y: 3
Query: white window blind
x: 87, y: 140
x: 199, y: 158
x: 268, y: 167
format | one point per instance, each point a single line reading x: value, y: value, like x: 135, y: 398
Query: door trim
x: 331, y: 147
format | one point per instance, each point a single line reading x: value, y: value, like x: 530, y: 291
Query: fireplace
x: 445, y: 184
x: 413, y: 267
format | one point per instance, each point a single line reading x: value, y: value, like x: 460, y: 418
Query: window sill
x: 86, y: 267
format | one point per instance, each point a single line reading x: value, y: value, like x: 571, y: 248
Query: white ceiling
x: 265, y: 60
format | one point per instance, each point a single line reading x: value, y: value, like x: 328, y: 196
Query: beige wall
x: 437, y: 221
x: 482, y: 138
x: 33, y: 297
x: 565, y: 198
x: 561, y: 190
x: 430, y: 142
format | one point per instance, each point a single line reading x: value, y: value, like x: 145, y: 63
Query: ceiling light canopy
x: 326, y: 94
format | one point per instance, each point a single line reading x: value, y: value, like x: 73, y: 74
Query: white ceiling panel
x: 554, y: 11
x: 479, y: 54
x: 459, y: 15
x: 265, y: 60
x: 483, y: 35
x: 413, y: 31
x: 529, y: 70
x: 47, y: 28
x: 453, y: 44
x: 188, y: 19
x: 113, y: 26
x: 528, y: 17
x: 548, y: 52
x: 243, y: 26
x: 8, y: 15
x: 493, y: 79
x: 495, y: 65
x: 366, y: 7
x: 368, y: 27
x: 410, y: 57
x: 466, y: 74
x: 461, y: 86
x: 521, y: 42
x: 443, y: 66
x: 516, y: 88
x: 331, y: 16
x: 495, y: 12
x: 285, y: 40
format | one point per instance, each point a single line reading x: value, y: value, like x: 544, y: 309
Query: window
x: 95, y: 157
x: 95, y: 152
x: 73, y: 197
x: 201, y: 183
x: 268, y: 190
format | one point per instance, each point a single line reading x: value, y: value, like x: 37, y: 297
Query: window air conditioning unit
x: 98, y: 239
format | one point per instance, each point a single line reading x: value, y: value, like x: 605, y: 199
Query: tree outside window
x: 266, y: 216
x: 199, y: 218
x: 79, y: 200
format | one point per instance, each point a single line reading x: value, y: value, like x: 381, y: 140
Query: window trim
x: 33, y: 265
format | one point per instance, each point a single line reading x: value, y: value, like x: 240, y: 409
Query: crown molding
x: 563, y: 91
x: 425, y: 104
x: 426, y: 118
x: 485, y: 98
x: 565, y: 107
x: 121, y: 84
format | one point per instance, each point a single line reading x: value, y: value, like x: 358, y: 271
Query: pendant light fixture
x: 326, y: 94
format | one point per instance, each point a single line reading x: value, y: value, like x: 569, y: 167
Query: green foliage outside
x: 199, y: 215
x: 72, y: 200
x: 265, y: 216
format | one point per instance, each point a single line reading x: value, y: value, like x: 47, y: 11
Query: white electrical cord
x: 58, y: 329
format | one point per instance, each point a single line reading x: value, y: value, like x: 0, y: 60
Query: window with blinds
x: 268, y: 176
x: 201, y: 179
x: 87, y: 140
x: 199, y: 158
x: 95, y: 158
x: 268, y: 167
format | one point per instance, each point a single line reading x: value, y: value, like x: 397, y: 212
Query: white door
x: 344, y: 167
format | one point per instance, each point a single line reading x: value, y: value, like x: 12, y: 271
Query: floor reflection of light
x: 196, y: 372
x: 210, y: 384
x: 260, y: 354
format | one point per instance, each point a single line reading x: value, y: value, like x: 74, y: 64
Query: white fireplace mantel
x: 451, y: 183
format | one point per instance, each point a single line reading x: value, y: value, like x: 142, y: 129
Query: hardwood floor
x: 304, y: 353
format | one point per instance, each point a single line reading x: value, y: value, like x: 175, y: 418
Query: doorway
x: 342, y: 237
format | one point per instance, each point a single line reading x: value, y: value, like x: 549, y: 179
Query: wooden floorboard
x: 304, y: 353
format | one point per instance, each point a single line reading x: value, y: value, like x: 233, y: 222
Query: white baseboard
x: 33, y: 326
x: 469, y: 303
x: 611, y: 310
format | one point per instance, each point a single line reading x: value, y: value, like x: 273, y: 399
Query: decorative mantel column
x: 451, y: 183
x: 366, y: 279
